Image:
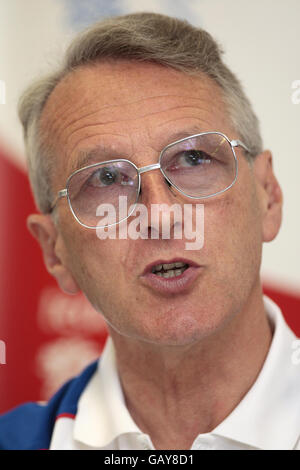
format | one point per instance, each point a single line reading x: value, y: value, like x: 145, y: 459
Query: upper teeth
x: 166, y: 267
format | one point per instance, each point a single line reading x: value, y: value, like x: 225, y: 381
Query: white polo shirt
x: 267, y: 418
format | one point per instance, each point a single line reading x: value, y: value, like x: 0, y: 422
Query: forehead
x: 125, y: 103
x: 142, y: 79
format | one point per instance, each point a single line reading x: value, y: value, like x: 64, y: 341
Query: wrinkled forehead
x: 121, y: 98
x: 117, y: 75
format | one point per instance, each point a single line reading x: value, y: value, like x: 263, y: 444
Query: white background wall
x: 262, y: 43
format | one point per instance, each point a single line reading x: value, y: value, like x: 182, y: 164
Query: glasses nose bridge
x: 155, y: 166
x: 144, y: 169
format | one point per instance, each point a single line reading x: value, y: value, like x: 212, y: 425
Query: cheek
x: 99, y: 266
x: 233, y: 236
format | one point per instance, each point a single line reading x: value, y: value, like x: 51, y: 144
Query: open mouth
x: 169, y: 270
x: 171, y: 276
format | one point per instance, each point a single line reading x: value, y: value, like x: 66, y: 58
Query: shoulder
x: 30, y: 426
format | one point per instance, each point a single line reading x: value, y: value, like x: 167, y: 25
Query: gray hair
x: 144, y: 37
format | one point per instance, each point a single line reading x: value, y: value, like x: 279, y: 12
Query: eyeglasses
x: 199, y: 167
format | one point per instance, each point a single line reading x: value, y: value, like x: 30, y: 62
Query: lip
x: 174, y: 285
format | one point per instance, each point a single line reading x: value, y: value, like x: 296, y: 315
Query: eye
x: 103, y: 177
x: 194, y: 158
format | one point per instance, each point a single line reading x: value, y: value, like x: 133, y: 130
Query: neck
x: 194, y: 387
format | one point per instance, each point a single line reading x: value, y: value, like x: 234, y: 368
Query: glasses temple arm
x: 60, y: 194
x: 239, y: 143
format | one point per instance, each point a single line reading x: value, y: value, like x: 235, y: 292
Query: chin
x: 175, y: 325
x: 184, y: 331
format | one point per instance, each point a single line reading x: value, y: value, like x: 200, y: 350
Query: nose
x: 163, y: 209
x: 155, y: 188
x: 163, y: 179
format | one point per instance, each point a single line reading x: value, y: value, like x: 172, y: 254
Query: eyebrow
x: 102, y: 153
x: 183, y: 134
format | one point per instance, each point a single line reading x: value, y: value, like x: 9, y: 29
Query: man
x: 196, y: 358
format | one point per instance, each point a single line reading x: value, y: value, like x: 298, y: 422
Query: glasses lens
x: 200, y: 166
x: 95, y: 191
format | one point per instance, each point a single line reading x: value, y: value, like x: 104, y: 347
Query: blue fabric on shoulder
x: 30, y: 426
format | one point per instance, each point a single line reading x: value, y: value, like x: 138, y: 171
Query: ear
x: 44, y: 230
x: 270, y: 195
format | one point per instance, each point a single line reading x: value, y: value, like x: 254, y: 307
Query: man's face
x: 134, y: 110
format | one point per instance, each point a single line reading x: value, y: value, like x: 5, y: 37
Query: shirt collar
x: 102, y: 413
x: 267, y: 418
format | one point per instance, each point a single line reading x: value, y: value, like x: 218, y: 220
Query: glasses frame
x: 156, y: 166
